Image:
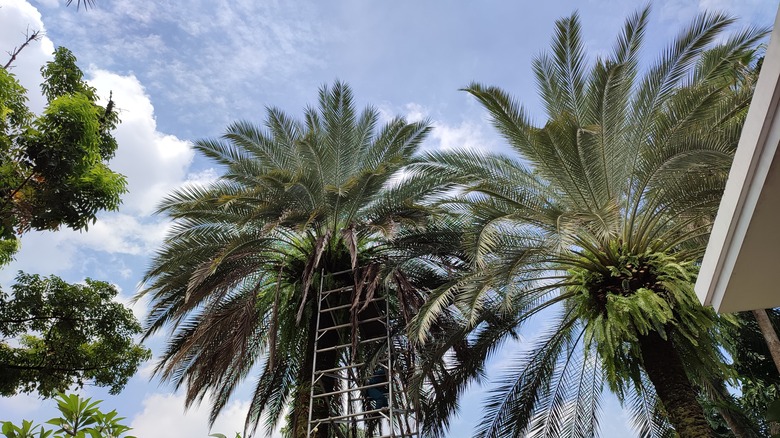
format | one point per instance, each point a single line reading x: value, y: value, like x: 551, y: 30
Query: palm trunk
x: 733, y: 424
x: 665, y: 369
x: 300, y: 415
x: 773, y: 343
x: 770, y: 335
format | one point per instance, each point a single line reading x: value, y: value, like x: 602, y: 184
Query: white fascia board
x: 746, y: 180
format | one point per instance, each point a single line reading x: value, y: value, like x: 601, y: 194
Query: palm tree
x: 297, y: 201
x: 602, y: 216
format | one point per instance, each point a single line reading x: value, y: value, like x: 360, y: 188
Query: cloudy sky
x: 183, y: 70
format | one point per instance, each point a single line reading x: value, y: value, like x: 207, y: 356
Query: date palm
x: 296, y: 201
x: 602, y: 215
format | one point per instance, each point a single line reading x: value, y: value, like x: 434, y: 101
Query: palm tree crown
x: 232, y: 280
x: 605, y: 210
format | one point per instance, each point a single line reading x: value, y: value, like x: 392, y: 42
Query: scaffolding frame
x: 358, y: 417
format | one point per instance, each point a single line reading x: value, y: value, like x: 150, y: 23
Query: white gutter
x: 755, y: 153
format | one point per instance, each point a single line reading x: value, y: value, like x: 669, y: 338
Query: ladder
x: 356, y: 391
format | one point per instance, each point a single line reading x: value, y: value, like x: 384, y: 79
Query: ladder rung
x: 333, y: 291
x: 356, y: 365
x: 349, y: 324
x: 342, y: 417
x: 344, y: 306
x: 358, y: 388
x: 338, y: 289
x: 337, y: 347
x: 399, y: 434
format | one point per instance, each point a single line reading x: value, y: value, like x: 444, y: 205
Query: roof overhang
x: 741, y: 267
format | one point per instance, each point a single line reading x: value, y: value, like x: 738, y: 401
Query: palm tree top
x: 295, y: 198
x: 602, y: 213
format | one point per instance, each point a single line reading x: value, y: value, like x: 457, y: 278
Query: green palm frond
x: 511, y: 407
x: 644, y: 408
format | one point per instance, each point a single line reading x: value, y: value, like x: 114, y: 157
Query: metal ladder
x: 363, y: 368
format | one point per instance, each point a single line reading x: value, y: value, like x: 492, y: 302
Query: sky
x: 181, y: 71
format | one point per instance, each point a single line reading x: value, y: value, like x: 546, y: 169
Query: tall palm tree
x: 296, y: 202
x: 602, y: 216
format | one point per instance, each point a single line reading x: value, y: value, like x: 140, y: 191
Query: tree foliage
x: 79, y: 418
x: 53, y: 169
x: 757, y: 377
x: 55, y: 335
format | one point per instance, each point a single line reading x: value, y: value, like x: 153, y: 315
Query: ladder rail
x: 390, y: 374
x: 314, y: 359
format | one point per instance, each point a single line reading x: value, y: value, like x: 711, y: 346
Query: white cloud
x: 203, y: 177
x: 153, y: 162
x: 197, y: 56
x: 41, y: 252
x: 164, y: 416
x: 19, y: 405
x: 120, y: 234
x: 735, y: 6
x: 414, y: 112
x: 759, y: 12
x: 465, y: 135
x: 18, y: 19
x: 48, y: 3
x: 60, y: 251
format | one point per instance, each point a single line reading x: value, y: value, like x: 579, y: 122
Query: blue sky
x: 183, y: 70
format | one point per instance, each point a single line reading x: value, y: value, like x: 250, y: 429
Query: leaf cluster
x: 56, y: 334
x: 79, y: 418
x: 53, y: 169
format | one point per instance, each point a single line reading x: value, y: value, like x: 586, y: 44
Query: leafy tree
x: 54, y: 335
x: 80, y: 418
x: 53, y: 168
x: 297, y: 201
x: 601, y: 216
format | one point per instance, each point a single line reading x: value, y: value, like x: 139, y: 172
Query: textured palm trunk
x: 300, y: 416
x: 734, y: 425
x: 773, y: 343
x: 770, y: 335
x: 666, y: 370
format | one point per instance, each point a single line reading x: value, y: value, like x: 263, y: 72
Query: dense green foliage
x: 54, y: 335
x: 601, y: 216
x: 53, y: 168
x: 79, y: 418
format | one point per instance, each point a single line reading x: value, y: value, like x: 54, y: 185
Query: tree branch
x: 39, y: 318
x: 52, y: 368
x: 29, y: 37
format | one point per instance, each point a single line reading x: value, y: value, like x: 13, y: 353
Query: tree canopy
x: 53, y: 166
x: 54, y: 335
